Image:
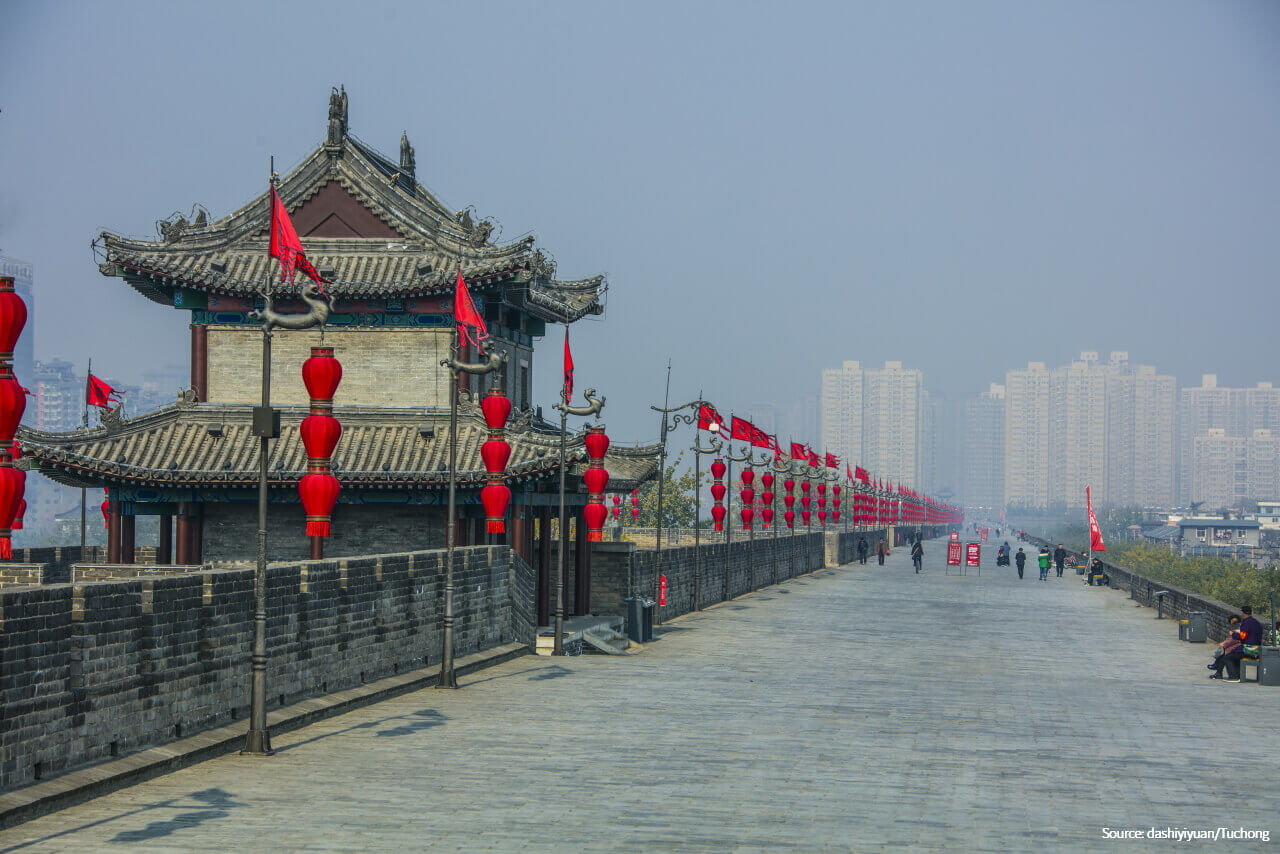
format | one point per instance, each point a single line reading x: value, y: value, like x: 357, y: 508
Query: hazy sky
x: 772, y: 188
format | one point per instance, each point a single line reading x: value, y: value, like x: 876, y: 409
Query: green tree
x: 677, y: 499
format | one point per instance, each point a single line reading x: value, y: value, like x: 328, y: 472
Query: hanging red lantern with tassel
x: 106, y: 509
x: 617, y: 508
x: 748, y: 496
x: 494, y: 453
x: 595, y: 478
x: 835, y: 503
x: 13, y: 402
x: 13, y: 318
x: 635, y: 506
x: 320, y: 432
x: 718, y: 469
x: 766, y: 499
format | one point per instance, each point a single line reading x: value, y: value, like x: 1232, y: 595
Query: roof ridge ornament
x: 408, y: 162
x: 337, y: 117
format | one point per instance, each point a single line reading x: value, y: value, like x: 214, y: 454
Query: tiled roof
x: 228, y: 256
x: 211, y: 444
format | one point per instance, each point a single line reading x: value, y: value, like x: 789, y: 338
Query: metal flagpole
x: 83, y: 491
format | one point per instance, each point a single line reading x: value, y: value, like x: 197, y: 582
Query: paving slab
x: 868, y: 709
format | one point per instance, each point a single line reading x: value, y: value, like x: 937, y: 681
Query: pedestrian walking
x: 917, y: 555
x: 862, y: 549
x: 1043, y: 560
x: 1059, y: 558
x: 882, y: 550
x: 1021, y: 560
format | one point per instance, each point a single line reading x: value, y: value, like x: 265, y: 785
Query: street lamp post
x: 593, y: 407
x: 493, y: 362
x: 673, y: 417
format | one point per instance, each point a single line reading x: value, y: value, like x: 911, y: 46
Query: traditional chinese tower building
x: 391, y: 250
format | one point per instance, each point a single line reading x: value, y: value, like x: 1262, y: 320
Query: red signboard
x: 953, y: 553
x: 662, y: 590
x: 972, y: 554
x: 955, y: 536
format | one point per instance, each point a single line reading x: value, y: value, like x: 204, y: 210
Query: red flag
x: 813, y: 458
x: 848, y: 474
x: 707, y: 416
x: 286, y: 245
x: 1095, y: 533
x: 760, y: 439
x: 471, y: 329
x: 98, y: 393
x: 741, y: 428
x: 799, y: 452
x: 568, y: 368
x: 861, y: 474
x: 832, y: 461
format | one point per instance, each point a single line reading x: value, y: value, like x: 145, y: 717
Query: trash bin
x: 1198, y: 626
x: 1269, y: 665
x: 639, y: 619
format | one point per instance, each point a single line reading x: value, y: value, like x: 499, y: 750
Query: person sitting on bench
x: 1230, y: 643
x: 1250, y: 634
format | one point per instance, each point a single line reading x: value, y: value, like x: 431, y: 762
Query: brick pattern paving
x: 855, y: 709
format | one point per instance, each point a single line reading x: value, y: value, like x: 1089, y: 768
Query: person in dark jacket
x: 1059, y: 558
x: 882, y: 550
x: 863, y: 548
x: 1250, y: 634
x: 917, y: 555
x: 1020, y: 559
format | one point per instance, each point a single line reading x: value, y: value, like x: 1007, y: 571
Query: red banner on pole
x: 662, y: 590
x: 972, y: 554
x: 953, y: 553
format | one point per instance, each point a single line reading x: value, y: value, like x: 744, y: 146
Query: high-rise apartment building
x: 1216, y: 414
x: 842, y: 401
x: 874, y: 417
x: 1026, y: 436
x: 892, y: 421
x: 1078, y: 431
x: 982, y: 449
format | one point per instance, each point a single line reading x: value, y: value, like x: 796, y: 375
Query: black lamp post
x: 673, y: 417
x: 593, y: 407
x: 493, y: 362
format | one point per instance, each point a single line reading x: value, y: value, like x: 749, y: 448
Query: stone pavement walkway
x: 855, y: 709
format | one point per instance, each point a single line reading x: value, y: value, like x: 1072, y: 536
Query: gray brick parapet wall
x: 94, y: 670
x: 1178, y: 603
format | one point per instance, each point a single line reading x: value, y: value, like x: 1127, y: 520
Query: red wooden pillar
x: 200, y: 362
x: 544, y: 566
x: 582, y: 566
x: 182, y: 555
x: 113, y: 532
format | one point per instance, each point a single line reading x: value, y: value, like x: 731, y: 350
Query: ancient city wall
x: 94, y: 670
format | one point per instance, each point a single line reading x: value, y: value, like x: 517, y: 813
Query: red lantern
x: 822, y: 516
x: 13, y: 402
x: 748, y: 476
x: 319, y: 492
x: 766, y: 514
x: 717, y: 492
x: 766, y: 511
x: 804, y: 515
x: 805, y: 486
x: 635, y: 506
x: 822, y: 488
x: 806, y: 501
x: 13, y: 318
x: 595, y: 479
x: 747, y: 515
x: 320, y: 434
x: 494, y: 453
x: 321, y: 375
x: 789, y: 500
x: 106, y: 512
x: 617, y: 509
x: 16, y: 525
x: 790, y: 518
x: 766, y: 480
x: 789, y: 485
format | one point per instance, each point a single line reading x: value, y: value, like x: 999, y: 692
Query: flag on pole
x: 741, y: 428
x: 861, y: 474
x: 1095, y: 533
x: 98, y: 393
x: 286, y: 245
x: 707, y: 416
x: 568, y: 368
x: 799, y: 452
x: 471, y: 328
x: 833, y: 462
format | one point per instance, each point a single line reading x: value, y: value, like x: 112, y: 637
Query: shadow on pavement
x: 209, y: 804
